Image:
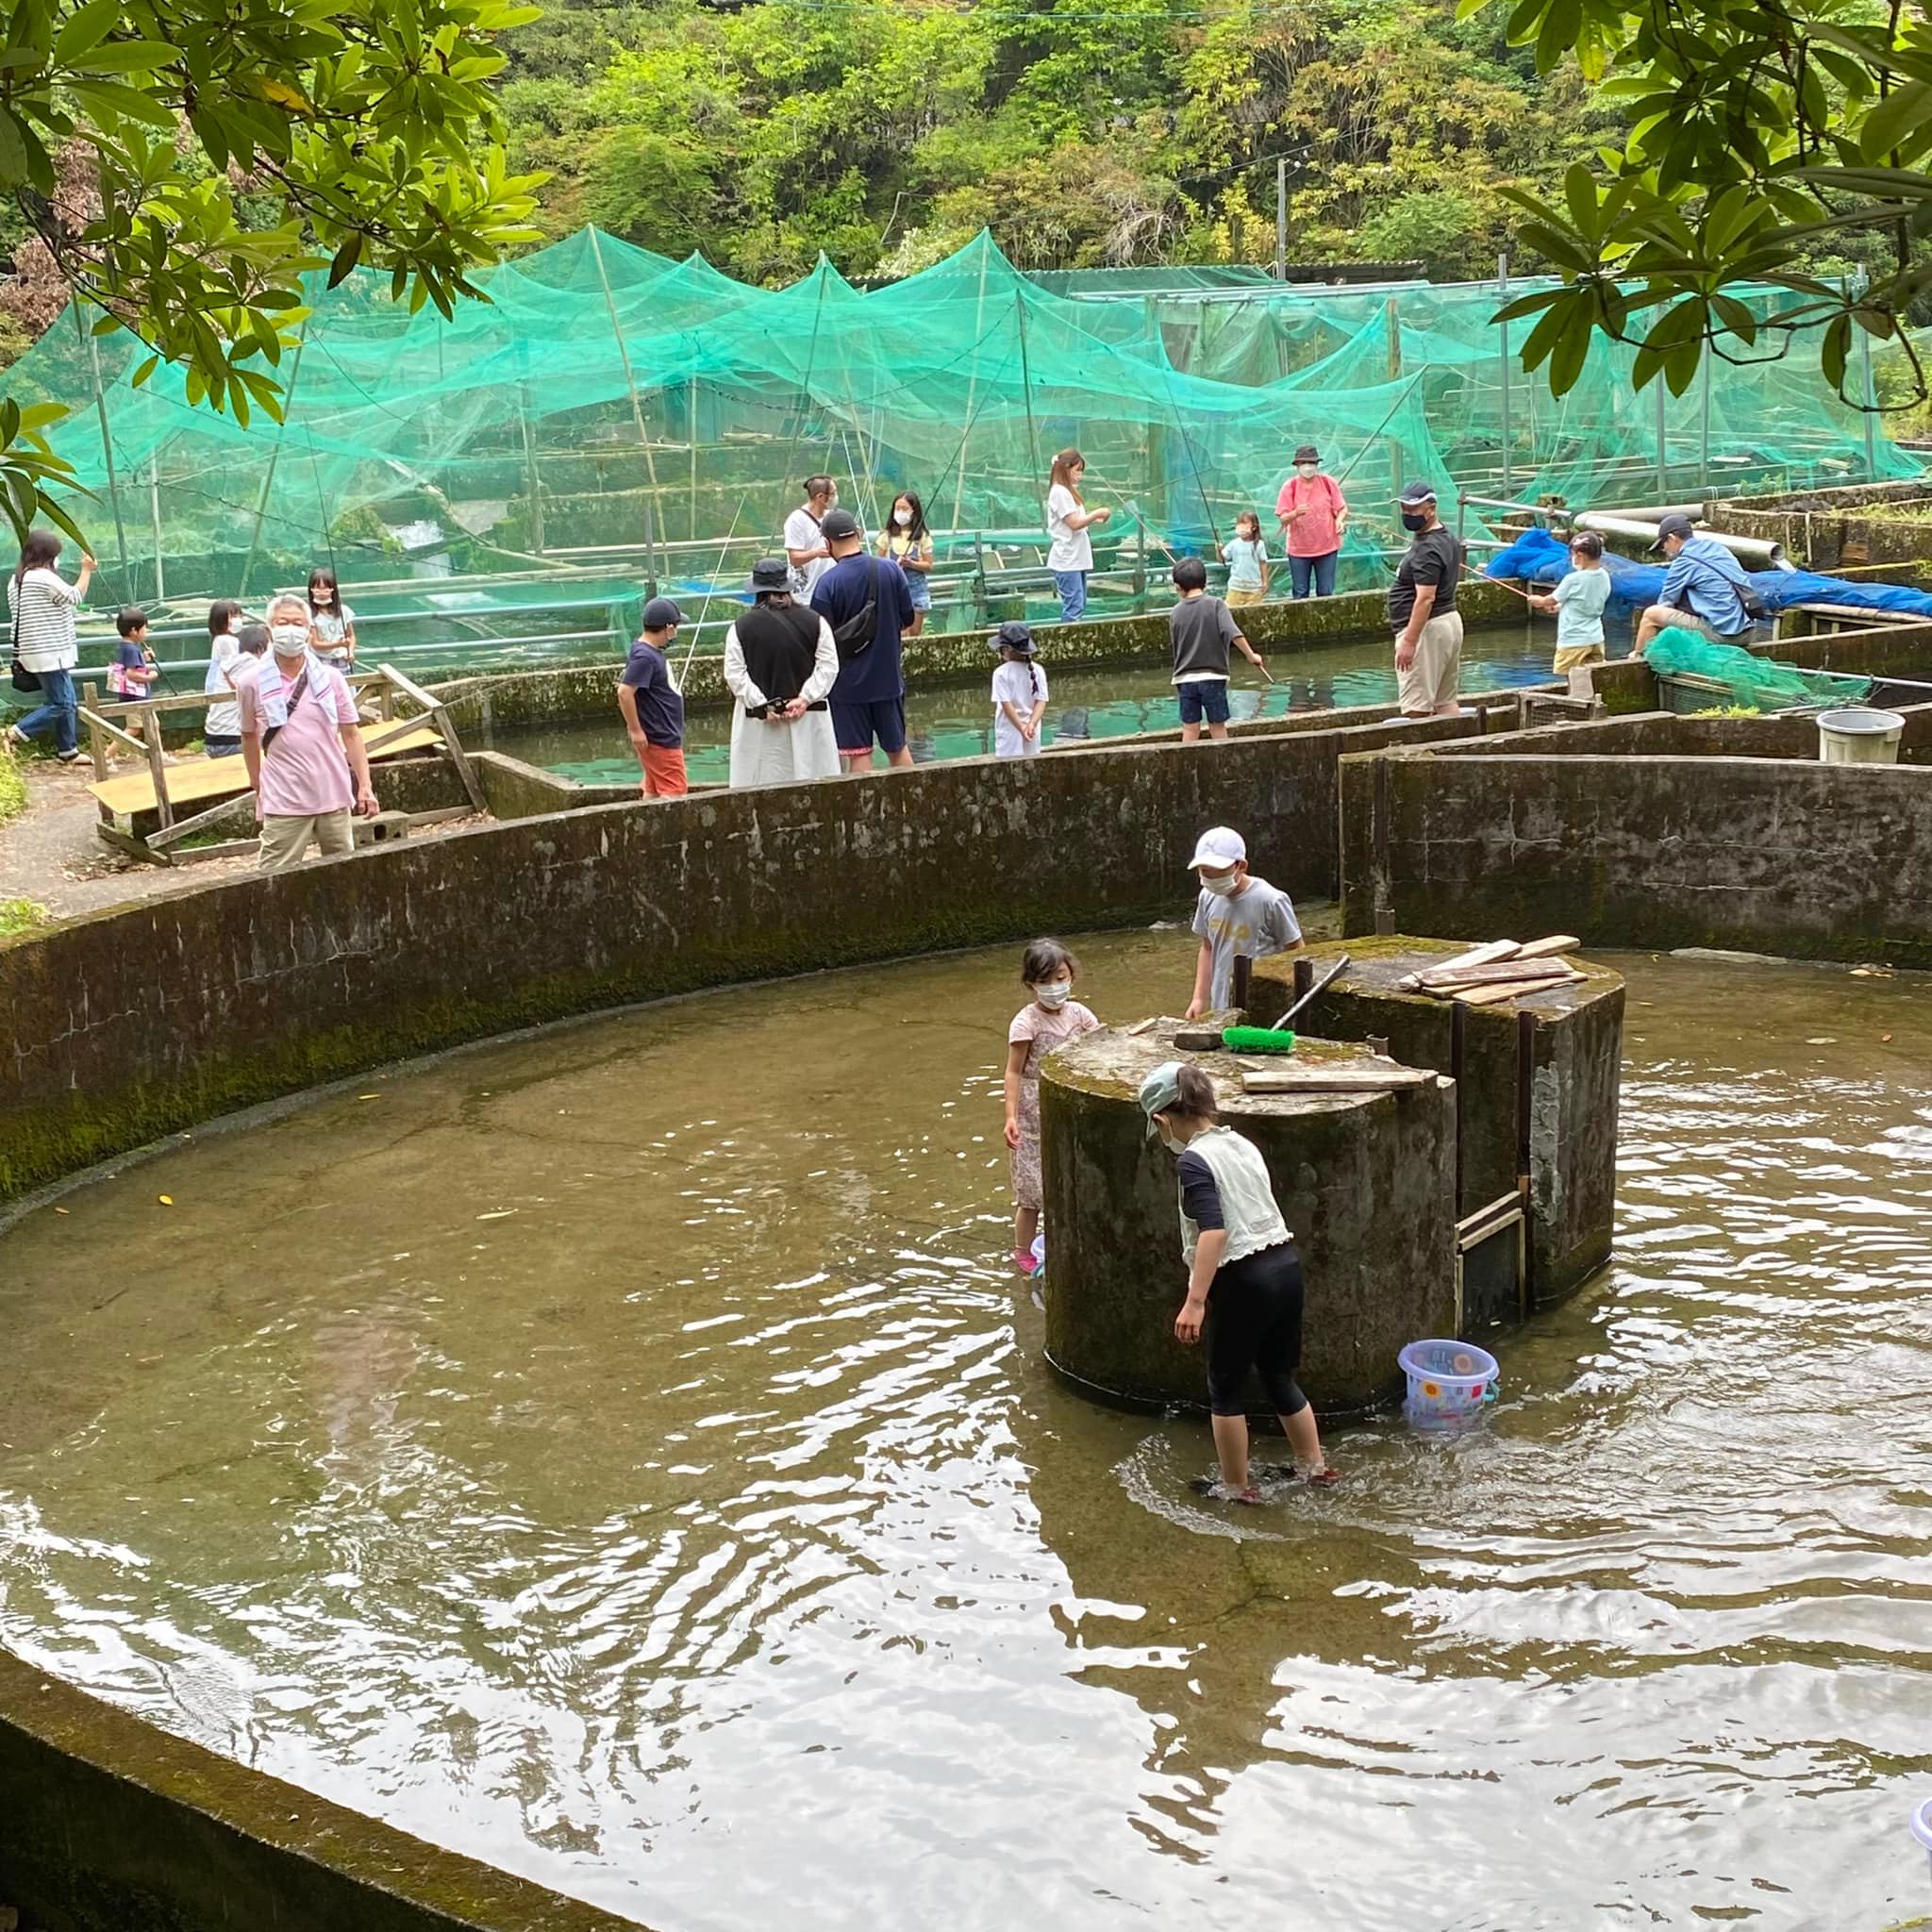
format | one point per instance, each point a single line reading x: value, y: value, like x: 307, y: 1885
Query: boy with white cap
x: 1237, y: 916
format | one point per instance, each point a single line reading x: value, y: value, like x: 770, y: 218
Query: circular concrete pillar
x: 1367, y: 1182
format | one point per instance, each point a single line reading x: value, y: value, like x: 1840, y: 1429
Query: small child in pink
x: 1049, y: 1020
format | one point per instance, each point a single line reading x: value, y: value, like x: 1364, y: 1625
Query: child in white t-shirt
x: 1019, y: 694
x: 1579, y: 604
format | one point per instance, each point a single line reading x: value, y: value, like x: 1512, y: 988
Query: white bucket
x: 1860, y: 737
x: 1921, y: 1827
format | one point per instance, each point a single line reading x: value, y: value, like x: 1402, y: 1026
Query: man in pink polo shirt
x: 301, y: 745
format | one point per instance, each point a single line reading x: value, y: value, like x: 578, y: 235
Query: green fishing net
x: 607, y: 399
x: 1758, y: 684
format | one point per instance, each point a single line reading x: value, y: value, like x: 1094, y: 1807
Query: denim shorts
x: 1204, y: 697
x: 920, y: 589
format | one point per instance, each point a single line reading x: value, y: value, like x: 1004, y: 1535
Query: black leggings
x: 1254, y: 1322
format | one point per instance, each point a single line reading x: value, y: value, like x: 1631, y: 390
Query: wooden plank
x: 226, y: 848
x: 1476, y: 955
x: 408, y: 686
x: 1496, y: 995
x: 1543, y: 949
x: 132, y: 847
x: 1355, y: 1080
x: 98, y: 725
x: 1495, y: 975
x: 459, y: 757
x: 170, y: 835
x: 200, y: 780
x: 157, y: 767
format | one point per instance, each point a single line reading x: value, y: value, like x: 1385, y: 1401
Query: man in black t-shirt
x: 1422, y: 610
x: 652, y: 705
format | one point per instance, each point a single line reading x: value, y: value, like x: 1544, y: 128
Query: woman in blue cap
x: 1242, y: 1263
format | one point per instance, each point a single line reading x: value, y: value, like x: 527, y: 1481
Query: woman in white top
x: 1244, y: 1279
x: 44, y: 643
x: 332, y: 619
x: 780, y: 662
x: 1070, y: 555
x: 222, y: 733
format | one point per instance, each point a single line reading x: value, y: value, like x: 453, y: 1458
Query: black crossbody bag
x: 854, y: 637
x: 25, y: 681
x: 296, y: 691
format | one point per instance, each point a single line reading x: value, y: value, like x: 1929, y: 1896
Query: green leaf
x: 146, y: 369
x: 1835, y: 350
x: 1890, y: 120
x: 85, y: 28
x: 127, y: 56
x: 346, y: 258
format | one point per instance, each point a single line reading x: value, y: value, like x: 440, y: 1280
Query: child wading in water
x: 1019, y: 693
x: 1242, y: 1269
x: 1578, y: 603
x: 1049, y: 1020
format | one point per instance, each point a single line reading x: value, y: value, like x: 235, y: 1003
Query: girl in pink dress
x: 1051, y: 1018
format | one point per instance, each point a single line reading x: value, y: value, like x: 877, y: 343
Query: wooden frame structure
x: 165, y: 788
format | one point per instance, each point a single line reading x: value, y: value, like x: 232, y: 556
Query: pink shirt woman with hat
x: 1312, y: 513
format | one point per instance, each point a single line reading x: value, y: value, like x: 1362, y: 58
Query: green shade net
x: 610, y: 408
x: 1756, y: 684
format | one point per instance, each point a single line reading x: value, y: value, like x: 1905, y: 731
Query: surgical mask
x: 1220, y: 884
x: 1308, y: 469
x: 1414, y: 520
x: 1054, y: 994
x: 1167, y: 1140
x: 289, y: 637
x: 321, y: 593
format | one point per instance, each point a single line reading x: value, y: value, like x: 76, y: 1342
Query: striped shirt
x: 44, y: 604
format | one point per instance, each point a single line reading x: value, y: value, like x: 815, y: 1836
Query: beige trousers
x: 285, y: 841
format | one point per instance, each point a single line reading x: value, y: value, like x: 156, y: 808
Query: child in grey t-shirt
x: 1237, y: 916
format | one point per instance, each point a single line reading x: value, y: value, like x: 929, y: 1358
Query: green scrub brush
x: 1277, y: 1037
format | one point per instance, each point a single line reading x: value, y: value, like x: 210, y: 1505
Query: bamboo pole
x: 972, y: 379
x: 637, y: 407
x: 93, y: 350
x: 274, y: 457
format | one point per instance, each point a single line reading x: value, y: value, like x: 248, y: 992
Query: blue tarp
x: 1539, y: 557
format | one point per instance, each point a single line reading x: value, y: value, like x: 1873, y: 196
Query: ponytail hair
x: 1194, y: 1094
x: 1063, y: 472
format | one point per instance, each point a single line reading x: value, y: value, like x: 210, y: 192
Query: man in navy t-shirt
x: 869, y: 700
x: 652, y: 705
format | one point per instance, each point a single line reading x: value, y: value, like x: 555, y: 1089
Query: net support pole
x: 1871, y: 408
x: 1503, y: 329
x: 1663, y: 447
x: 1026, y: 393
x: 1703, y: 429
x: 972, y: 382
x: 153, y: 504
x: 1393, y: 313
x: 531, y: 485
x: 637, y: 411
x: 274, y: 457
x: 93, y: 350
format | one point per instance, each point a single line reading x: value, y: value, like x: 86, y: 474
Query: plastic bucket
x: 1448, y: 1383
x: 1858, y: 737
x: 1921, y: 1827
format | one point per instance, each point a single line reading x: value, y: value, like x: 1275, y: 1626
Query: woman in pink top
x: 301, y: 745
x: 1312, y: 513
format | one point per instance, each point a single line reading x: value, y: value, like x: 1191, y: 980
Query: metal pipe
x: 1762, y: 551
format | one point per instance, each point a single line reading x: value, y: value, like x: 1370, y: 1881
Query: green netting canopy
x: 606, y: 401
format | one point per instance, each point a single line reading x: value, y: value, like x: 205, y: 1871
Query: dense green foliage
x: 1761, y: 137
x: 888, y: 132
x: 181, y: 163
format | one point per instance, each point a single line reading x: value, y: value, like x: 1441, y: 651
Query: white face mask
x: 1308, y: 469
x: 321, y: 595
x: 290, y: 639
x: 1220, y: 884
x: 1167, y: 1140
x: 1055, y: 995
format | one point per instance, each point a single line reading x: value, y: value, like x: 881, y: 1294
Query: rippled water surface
x: 1085, y: 702
x: 623, y: 1455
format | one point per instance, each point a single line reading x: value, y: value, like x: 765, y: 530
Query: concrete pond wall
x: 1659, y: 832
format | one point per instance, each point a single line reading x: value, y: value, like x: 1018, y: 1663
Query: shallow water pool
x: 623, y: 1455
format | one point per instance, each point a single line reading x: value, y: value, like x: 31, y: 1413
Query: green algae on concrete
x: 1366, y: 1182
x: 1574, y: 1058
x: 109, y: 1823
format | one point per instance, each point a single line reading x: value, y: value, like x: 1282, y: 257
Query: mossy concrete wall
x: 258, y: 986
x: 1366, y: 1183
x: 1659, y: 847
x: 1564, y: 1047
x: 110, y: 1825
x: 1862, y: 523
x: 516, y: 700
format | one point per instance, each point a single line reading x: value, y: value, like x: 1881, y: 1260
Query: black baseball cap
x: 1417, y: 493
x: 660, y: 614
x: 1674, y: 525
x: 838, y: 525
